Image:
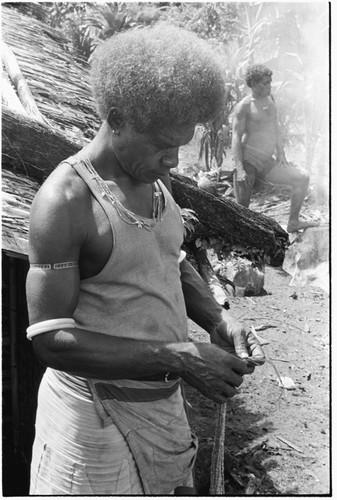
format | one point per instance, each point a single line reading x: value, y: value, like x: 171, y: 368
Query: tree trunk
x: 34, y: 149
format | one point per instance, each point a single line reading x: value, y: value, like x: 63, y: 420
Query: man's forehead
x: 175, y: 134
x: 266, y: 79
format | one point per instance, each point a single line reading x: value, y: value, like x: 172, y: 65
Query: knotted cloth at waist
x: 152, y: 418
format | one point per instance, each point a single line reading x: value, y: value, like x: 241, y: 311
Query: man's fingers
x: 255, y: 347
x: 220, y: 396
x: 220, y: 390
x: 257, y: 351
x: 255, y: 361
x: 248, y: 348
x: 240, y: 344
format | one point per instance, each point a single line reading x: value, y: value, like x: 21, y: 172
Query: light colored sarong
x: 79, y: 449
x: 152, y: 417
x: 74, y: 454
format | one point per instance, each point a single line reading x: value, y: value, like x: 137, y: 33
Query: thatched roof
x: 18, y: 192
x: 59, y: 83
x: 60, y: 87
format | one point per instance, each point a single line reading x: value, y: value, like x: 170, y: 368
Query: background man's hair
x: 159, y: 76
x: 255, y: 73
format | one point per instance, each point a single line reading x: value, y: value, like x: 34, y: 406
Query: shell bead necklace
x: 125, y: 214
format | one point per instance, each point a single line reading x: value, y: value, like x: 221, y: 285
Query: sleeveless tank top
x: 138, y: 293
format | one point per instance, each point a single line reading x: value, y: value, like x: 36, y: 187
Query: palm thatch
x: 18, y: 192
x: 58, y: 82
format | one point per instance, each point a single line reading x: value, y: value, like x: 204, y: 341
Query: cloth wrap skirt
x: 110, y: 438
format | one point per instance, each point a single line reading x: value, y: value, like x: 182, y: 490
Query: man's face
x: 150, y: 156
x: 263, y: 87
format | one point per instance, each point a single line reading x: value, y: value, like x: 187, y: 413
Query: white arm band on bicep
x: 48, y: 326
x: 181, y: 256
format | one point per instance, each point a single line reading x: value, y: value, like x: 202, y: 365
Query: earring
x: 115, y: 132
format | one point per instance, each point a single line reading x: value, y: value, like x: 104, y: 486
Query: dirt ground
x: 277, y: 440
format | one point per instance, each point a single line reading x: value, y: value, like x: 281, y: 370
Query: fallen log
x: 223, y: 218
x: 34, y: 149
x: 260, y: 235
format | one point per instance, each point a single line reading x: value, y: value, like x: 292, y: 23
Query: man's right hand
x: 213, y: 371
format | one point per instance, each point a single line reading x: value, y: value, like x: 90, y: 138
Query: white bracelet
x: 48, y: 326
x: 181, y: 256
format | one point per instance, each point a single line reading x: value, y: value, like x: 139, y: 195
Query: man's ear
x: 115, y: 119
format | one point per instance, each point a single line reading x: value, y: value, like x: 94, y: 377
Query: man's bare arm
x: 200, y: 304
x: 223, y: 328
x: 280, y: 155
x: 239, y: 128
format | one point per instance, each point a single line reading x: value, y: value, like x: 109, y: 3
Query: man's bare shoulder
x: 63, y: 185
x: 61, y: 208
x: 243, y: 106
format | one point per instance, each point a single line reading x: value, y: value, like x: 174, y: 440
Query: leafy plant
x: 88, y: 24
x: 189, y: 219
x: 104, y: 20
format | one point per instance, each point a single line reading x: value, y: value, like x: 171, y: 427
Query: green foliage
x: 69, y: 17
x: 213, y: 143
x: 88, y: 24
x: 189, y: 219
x: 213, y: 21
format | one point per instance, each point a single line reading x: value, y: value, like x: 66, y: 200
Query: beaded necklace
x: 125, y: 214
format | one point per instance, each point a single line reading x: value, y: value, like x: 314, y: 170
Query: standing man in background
x: 257, y: 147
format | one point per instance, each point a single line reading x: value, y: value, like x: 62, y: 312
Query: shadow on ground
x: 248, y: 458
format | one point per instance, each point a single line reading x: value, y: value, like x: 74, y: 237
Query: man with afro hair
x: 109, y: 290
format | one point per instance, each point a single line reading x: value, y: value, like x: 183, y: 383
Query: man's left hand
x: 234, y: 338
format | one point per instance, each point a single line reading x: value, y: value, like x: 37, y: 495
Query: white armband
x: 181, y: 256
x: 48, y: 326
